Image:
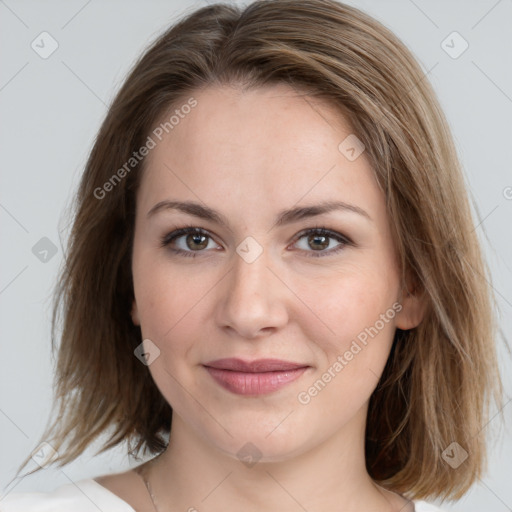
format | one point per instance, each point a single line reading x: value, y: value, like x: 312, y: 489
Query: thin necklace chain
x: 142, y: 473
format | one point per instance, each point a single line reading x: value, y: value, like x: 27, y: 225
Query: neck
x: 194, y: 475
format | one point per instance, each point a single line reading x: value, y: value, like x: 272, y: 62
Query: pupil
x: 316, y: 237
x: 195, y: 237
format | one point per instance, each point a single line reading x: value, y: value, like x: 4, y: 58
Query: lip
x: 256, y: 366
x: 257, y: 377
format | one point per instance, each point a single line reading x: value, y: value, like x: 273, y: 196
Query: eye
x: 319, y: 239
x: 196, y: 239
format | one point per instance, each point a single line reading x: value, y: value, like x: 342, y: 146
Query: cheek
x: 168, y: 305
x: 357, y: 311
x: 349, y: 300
x: 165, y: 293
x: 351, y: 359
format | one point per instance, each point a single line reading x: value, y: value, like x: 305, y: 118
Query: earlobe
x: 413, y: 310
x: 135, y: 313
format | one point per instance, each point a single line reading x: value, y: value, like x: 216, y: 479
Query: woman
x: 273, y: 281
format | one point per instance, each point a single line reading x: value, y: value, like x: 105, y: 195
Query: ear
x: 135, y: 313
x: 413, y: 309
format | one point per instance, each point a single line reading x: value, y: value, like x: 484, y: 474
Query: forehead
x: 256, y: 122
x: 272, y: 144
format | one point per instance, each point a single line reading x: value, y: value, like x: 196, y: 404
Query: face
x: 320, y: 291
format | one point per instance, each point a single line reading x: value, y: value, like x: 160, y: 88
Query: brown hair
x: 440, y: 377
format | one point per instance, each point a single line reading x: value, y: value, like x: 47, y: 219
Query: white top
x: 89, y: 496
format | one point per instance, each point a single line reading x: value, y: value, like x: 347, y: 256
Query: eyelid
x: 328, y: 232
x: 185, y: 230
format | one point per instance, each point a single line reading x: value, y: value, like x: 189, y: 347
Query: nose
x: 253, y: 300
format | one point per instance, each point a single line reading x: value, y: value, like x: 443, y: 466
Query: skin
x: 250, y: 154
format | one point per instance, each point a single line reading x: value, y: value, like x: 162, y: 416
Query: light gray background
x: 52, y: 108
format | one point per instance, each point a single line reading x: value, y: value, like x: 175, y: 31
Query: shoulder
x: 423, y: 506
x: 127, y: 486
x: 82, y: 496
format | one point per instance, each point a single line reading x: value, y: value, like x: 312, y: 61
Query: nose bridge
x: 250, y: 275
x: 252, y: 299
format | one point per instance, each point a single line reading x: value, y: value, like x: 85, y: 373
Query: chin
x: 255, y: 445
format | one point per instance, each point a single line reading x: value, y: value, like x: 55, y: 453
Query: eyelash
x: 344, y: 240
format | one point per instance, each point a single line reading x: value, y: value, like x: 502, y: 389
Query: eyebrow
x: 284, y: 217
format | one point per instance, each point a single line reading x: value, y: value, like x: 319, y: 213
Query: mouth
x: 254, y: 378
